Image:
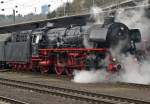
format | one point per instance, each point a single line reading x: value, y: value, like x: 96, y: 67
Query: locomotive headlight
x: 135, y: 60
x: 114, y: 59
x: 122, y: 28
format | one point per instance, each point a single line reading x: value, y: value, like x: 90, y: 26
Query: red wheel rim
x: 59, y: 70
x: 44, y: 69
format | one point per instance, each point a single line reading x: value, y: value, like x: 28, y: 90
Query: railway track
x: 134, y: 85
x: 10, y: 101
x: 89, y: 97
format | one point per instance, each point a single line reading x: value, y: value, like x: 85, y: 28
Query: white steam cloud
x: 134, y: 71
x: 135, y: 19
x: 98, y: 19
x: 97, y: 15
x: 90, y: 76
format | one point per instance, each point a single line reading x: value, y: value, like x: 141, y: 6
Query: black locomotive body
x: 66, y: 48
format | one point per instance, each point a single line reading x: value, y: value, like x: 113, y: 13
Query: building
x: 44, y: 9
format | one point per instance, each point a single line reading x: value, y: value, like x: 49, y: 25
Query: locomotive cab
x: 37, y: 37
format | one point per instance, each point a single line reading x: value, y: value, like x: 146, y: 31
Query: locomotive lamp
x: 114, y: 59
x: 114, y: 65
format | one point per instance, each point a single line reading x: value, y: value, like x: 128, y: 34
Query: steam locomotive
x: 68, y: 48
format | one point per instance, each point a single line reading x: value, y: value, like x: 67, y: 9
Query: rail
x: 11, y: 101
x: 94, y: 98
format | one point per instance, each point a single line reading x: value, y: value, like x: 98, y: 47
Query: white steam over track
x: 135, y: 72
x: 90, y: 76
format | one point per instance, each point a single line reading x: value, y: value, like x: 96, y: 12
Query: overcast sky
x: 28, y: 6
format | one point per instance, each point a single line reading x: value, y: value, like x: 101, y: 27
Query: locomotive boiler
x: 68, y: 48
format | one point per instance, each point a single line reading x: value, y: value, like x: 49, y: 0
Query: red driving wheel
x: 59, y: 70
